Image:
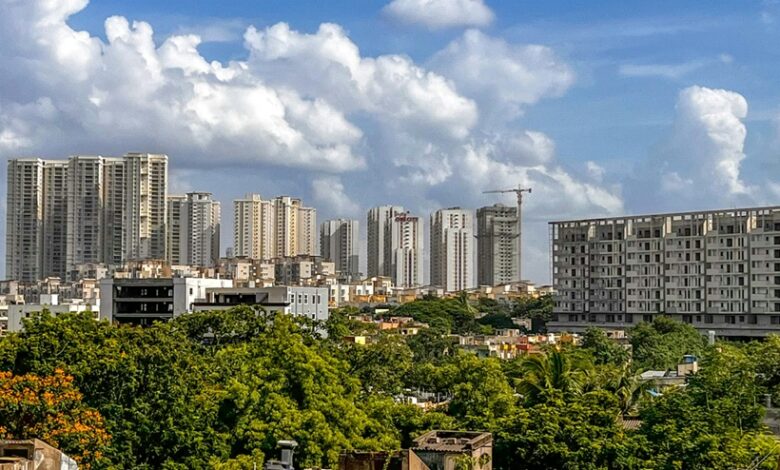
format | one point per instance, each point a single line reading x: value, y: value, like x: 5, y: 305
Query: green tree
x: 662, y: 343
x: 481, y: 394
x: 603, y: 349
x: 148, y: 384
x: 582, y: 433
x: 382, y: 365
x: 677, y: 432
x: 443, y: 315
x: 431, y: 346
x: 280, y: 385
x: 537, y: 309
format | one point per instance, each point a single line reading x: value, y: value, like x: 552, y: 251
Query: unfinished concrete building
x: 716, y: 270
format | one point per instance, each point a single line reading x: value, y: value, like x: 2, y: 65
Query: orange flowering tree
x: 50, y: 408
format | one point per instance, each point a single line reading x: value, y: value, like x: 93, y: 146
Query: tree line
x: 219, y: 389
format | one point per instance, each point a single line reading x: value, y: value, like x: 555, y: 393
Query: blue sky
x: 603, y: 107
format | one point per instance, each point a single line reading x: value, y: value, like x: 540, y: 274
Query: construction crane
x: 519, y: 192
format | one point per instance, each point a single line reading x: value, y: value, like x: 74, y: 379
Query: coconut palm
x: 545, y: 375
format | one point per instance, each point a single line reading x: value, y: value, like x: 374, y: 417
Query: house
x: 32, y: 454
x: 434, y: 450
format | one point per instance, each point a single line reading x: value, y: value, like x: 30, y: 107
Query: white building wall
x: 452, y: 249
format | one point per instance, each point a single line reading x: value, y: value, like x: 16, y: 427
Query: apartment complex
x: 253, y: 227
x: 452, y: 249
x: 497, y: 245
x: 280, y: 227
x: 145, y: 206
x: 340, y: 243
x: 24, y: 220
x: 395, y: 244
x: 378, y: 224
x: 405, y: 250
x: 87, y: 209
x: 193, y: 229
x: 717, y: 270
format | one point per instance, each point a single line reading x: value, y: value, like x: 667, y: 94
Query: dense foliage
x: 218, y: 389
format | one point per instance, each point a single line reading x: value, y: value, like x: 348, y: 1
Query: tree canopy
x: 219, y: 389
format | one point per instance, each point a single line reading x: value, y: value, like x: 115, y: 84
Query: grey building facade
x: 496, y: 245
x: 716, y: 270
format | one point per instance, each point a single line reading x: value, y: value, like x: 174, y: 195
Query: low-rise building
x: 510, y: 343
x: 367, y: 292
x: 303, y: 271
x: 440, y: 450
x: 50, y: 303
x: 310, y: 302
x: 143, y: 301
x: 33, y: 454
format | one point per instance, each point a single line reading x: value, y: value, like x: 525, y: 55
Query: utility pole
x: 519, y: 192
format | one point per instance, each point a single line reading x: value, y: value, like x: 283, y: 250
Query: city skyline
x: 603, y: 109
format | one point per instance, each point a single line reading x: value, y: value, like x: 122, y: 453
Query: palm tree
x: 627, y: 387
x: 547, y: 374
x: 463, y: 299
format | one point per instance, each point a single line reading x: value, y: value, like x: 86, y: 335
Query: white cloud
x: 299, y: 109
x: 503, y: 77
x: 672, y: 71
x: 710, y: 130
x: 129, y: 93
x: 699, y: 164
x: 329, y: 192
x: 595, y: 170
x: 437, y: 14
x: 390, y: 87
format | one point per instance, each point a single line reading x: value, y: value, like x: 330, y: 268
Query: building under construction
x: 716, y: 270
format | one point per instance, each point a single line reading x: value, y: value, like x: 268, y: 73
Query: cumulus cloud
x: 709, y: 129
x: 437, y: 14
x: 699, y: 163
x: 303, y: 112
x: 503, y: 77
x: 127, y: 90
x: 390, y: 87
x: 329, y: 192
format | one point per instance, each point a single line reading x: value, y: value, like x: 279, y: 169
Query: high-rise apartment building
x: 66, y: 213
x: 496, y: 245
x: 452, y: 249
x: 307, y: 231
x: 177, y: 230
x: 716, y: 270
x: 55, y: 211
x: 113, y: 210
x: 36, y: 216
x: 280, y: 227
x: 378, y: 224
x: 145, y: 206
x: 252, y: 227
x: 405, y: 250
x: 193, y: 229
x: 85, y: 206
x: 24, y: 220
x: 340, y: 243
